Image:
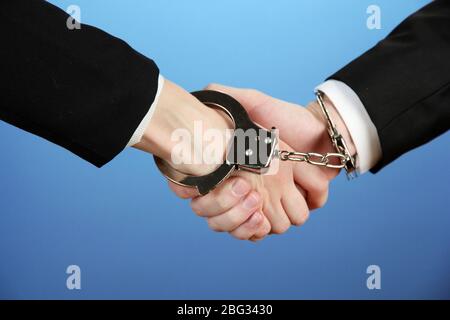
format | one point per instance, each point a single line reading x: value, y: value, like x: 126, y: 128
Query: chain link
x: 314, y: 158
x: 336, y: 160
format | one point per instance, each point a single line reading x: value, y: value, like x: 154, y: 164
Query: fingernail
x: 255, y: 220
x: 251, y: 201
x: 240, y: 187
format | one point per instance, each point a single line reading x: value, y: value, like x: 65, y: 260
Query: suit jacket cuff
x: 358, y: 122
x: 140, y: 130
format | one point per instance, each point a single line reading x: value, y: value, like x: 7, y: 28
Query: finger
x: 277, y: 217
x: 183, y: 192
x: 246, y: 230
x: 262, y: 231
x: 295, y: 206
x: 314, y: 182
x: 237, y: 215
x: 221, y: 199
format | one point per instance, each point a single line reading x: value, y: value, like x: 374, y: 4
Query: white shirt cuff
x: 137, y: 135
x: 361, y: 128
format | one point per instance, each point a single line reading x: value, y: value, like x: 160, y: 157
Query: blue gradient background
x: 133, y: 239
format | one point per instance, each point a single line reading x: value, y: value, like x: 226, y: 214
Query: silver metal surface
x: 204, y: 184
x: 341, y: 159
x: 253, y: 160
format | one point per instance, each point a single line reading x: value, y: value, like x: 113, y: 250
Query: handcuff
x: 258, y: 150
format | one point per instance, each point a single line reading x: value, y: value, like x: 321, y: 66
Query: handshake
x: 249, y: 206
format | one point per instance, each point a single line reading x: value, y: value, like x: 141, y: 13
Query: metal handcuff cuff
x: 257, y: 152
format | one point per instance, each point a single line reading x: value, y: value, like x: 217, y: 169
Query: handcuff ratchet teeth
x: 251, y: 148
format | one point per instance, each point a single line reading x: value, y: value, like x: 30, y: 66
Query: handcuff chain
x: 314, y: 158
x: 342, y: 154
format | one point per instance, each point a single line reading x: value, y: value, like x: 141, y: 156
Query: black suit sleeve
x: 84, y: 90
x: 404, y: 81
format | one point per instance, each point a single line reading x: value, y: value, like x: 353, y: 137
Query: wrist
x: 178, y: 109
x: 315, y: 109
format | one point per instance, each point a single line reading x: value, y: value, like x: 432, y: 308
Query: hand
x: 282, y: 201
x: 249, y: 206
x: 177, y: 109
x: 305, y: 130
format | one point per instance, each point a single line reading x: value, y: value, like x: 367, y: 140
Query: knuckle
x: 211, y: 86
x: 300, y: 218
x: 281, y: 227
